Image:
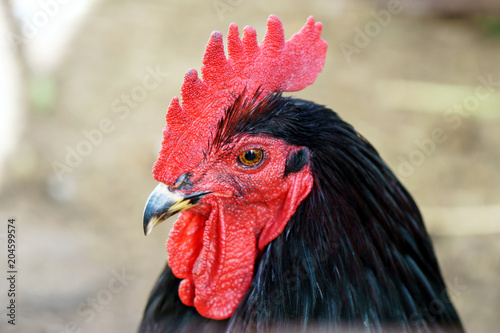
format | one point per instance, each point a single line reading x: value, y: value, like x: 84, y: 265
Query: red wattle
x: 228, y: 254
x: 186, y: 292
x: 218, y: 278
x: 185, y: 243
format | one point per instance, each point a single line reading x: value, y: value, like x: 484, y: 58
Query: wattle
x: 214, y: 256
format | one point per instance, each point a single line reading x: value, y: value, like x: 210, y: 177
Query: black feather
x: 354, y: 256
x: 166, y: 313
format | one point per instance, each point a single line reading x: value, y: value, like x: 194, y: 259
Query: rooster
x: 290, y: 220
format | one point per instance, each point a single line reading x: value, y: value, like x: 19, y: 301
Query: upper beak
x: 163, y: 203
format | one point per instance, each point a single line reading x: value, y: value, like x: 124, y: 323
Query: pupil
x: 250, y: 155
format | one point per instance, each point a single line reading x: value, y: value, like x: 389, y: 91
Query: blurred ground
x: 413, y: 85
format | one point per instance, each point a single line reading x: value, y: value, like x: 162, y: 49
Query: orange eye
x: 251, y: 158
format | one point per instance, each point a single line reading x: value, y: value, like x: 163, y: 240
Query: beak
x: 163, y: 203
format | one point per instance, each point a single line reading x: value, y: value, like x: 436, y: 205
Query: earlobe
x: 300, y: 185
x: 296, y: 160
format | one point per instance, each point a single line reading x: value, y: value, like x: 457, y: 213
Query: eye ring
x: 251, y: 158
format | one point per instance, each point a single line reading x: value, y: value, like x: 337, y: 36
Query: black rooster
x: 351, y: 255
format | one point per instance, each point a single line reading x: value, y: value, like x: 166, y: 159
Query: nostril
x: 183, y: 182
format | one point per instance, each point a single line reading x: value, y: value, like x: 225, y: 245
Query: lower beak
x: 163, y: 203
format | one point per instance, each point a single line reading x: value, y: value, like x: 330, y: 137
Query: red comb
x: 274, y: 65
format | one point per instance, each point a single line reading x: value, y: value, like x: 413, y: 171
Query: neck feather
x: 356, y: 252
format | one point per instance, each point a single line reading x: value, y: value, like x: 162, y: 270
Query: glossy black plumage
x: 354, y: 256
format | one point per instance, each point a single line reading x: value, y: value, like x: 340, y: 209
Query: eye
x: 251, y: 157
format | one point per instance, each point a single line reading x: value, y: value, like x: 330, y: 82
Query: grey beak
x: 163, y: 203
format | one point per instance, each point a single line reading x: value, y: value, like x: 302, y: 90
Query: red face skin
x: 213, y: 246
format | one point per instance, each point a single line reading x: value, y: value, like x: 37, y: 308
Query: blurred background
x: 83, y: 94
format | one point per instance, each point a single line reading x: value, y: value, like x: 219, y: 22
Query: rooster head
x: 236, y: 187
